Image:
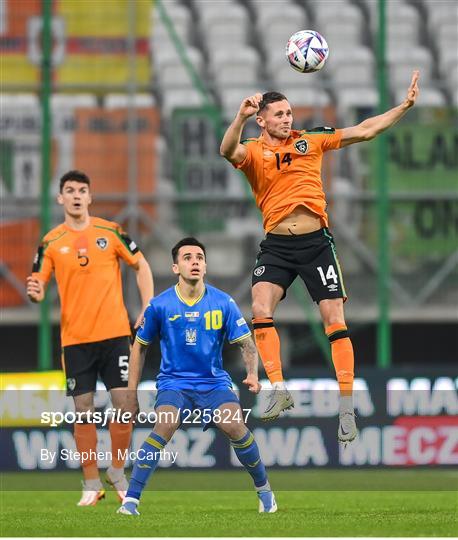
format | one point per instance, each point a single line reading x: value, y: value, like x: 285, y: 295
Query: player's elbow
x: 369, y: 135
x: 225, y: 152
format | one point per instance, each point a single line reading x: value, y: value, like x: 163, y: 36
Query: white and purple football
x: 307, y: 51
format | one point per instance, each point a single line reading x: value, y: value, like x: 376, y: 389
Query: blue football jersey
x: 192, y: 337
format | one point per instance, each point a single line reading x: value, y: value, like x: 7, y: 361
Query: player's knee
x: 165, y: 430
x: 332, y: 319
x: 260, y: 309
x: 83, y: 407
x: 235, y: 430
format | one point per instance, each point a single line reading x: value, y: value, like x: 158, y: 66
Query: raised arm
x: 370, y: 128
x: 230, y: 147
x: 250, y: 358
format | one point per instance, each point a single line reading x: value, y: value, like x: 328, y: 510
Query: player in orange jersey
x: 283, y: 167
x: 84, y: 253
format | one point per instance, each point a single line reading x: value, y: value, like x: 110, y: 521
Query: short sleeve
x: 126, y: 248
x: 236, y: 326
x: 149, y: 327
x: 248, y: 165
x: 43, y: 264
x: 331, y: 141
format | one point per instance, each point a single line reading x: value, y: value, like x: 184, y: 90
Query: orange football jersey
x: 286, y: 176
x: 86, y: 265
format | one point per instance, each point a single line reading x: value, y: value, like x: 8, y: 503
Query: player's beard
x: 281, y: 133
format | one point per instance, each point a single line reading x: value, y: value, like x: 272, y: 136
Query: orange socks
x: 342, y: 357
x: 268, y: 344
x: 120, y: 441
x: 86, y: 441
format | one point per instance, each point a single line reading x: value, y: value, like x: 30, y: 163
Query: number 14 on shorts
x: 330, y: 274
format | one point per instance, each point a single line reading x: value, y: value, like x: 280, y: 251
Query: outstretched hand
x: 253, y: 384
x: 250, y: 105
x: 412, y: 92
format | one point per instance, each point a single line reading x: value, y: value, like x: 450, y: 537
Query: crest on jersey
x: 191, y: 336
x: 102, y: 242
x: 301, y: 146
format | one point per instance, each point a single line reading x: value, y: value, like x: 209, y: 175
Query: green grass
x: 167, y: 512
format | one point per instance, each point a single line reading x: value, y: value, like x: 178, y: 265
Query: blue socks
x: 247, y: 451
x: 245, y: 448
x: 145, y: 465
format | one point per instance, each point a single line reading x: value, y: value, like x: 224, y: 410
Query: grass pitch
x: 231, y: 512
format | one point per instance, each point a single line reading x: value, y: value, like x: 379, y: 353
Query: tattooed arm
x: 250, y: 358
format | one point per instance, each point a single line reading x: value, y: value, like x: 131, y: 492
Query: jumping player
x: 283, y: 167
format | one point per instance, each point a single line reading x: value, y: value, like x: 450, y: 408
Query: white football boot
x: 347, y: 431
x: 279, y: 401
x: 93, y: 492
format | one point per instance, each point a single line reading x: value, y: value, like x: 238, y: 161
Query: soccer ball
x: 306, y: 51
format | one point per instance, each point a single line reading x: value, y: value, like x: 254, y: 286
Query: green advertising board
x: 423, y: 187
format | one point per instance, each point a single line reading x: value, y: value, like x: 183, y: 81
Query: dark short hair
x: 270, y: 97
x: 189, y: 241
x: 75, y: 176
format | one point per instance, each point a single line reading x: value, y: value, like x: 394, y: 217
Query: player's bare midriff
x: 300, y: 221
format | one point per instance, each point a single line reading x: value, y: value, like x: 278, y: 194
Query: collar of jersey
x: 192, y: 303
x: 289, y: 139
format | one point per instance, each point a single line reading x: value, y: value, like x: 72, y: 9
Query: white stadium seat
x: 72, y: 101
x: 19, y: 100
x: 350, y: 55
x: 284, y: 75
x: 306, y: 97
x: 402, y: 64
x: 235, y: 66
x: 272, y: 16
x: 441, y: 12
x: 179, y: 16
x: 180, y: 97
x: 115, y: 101
x: 335, y: 11
x: 338, y: 34
x: 357, y: 97
x: 328, y: 8
x: 171, y: 72
x: 347, y: 75
x: 401, y: 35
x: 223, y: 34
